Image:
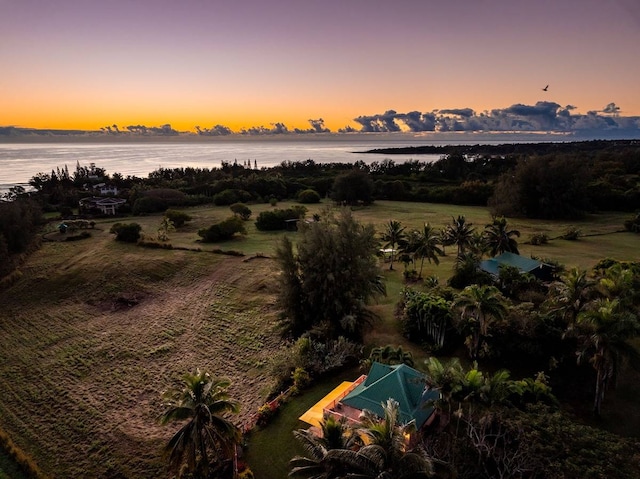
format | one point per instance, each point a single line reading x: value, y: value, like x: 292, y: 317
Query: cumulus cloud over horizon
x: 544, y: 116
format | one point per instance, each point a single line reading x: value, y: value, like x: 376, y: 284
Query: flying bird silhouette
x: 545, y: 88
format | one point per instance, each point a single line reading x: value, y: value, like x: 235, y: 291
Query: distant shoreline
x: 38, y: 137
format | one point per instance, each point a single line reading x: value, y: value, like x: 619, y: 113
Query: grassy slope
x: 81, y: 379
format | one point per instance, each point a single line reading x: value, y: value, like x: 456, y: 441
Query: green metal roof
x: 399, y: 382
x: 524, y: 264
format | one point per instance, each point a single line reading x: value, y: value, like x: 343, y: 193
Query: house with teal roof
x: 540, y: 270
x: 400, y: 382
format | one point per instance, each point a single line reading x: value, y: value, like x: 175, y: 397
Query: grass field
x: 95, y: 330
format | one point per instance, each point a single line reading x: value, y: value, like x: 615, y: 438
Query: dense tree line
x: 547, y: 180
x: 20, y: 221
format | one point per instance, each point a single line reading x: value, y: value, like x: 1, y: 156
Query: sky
x: 363, y: 65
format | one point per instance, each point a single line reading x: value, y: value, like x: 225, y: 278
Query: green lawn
x: 270, y: 448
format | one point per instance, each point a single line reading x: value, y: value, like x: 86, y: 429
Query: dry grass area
x: 95, y: 331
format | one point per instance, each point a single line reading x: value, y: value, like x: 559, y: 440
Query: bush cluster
x: 225, y: 230
x: 277, y: 219
x: 127, y: 232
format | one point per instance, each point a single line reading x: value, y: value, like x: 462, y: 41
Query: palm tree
x: 385, y: 454
x: 499, y: 238
x: 390, y: 355
x: 428, y: 246
x: 478, y: 305
x: 393, y: 236
x: 206, y: 439
x: 320, y: 463
x: 570, y: 295
x: 604, y: 331
x: 460, y: 233
x: 618, y: 282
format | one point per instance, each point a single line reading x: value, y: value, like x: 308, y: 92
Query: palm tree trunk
x: 597, y: 402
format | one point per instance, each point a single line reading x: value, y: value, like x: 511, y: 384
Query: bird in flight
x: 545, y: 88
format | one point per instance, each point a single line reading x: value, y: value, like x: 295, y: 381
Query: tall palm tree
x: 478, y: 306
x: 604, y: 331
x: 459, y: 233
x: 617, y: 281
x: 570, y: 295
x: 393, y: 236
x: 428, y: 246
x: 499, y: 238
x: 206, y: 439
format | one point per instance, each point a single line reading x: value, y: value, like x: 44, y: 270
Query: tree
x: 386, y: 453
x: 393, y: 236
x: 553, y: 186
x: 352, y: 188
x: 426, y: 317
x: 207, y: 439
x: 570, y: 295
x: 478, y: 305
x: 242, y: 210
x: 603, y: 331
x: 335, y: 435
x: 499, y: 238
x: 459, y: 233
x: 390, y: 355
x: 427, y: 246
x: 326, y: 286
x: 166, y: 227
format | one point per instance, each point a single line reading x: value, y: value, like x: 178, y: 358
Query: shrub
x: 148, y: 204
x: 129, y: 233
x: 222, y: 231
x: 539, y: 239
x: 179, y: 218
x: 633, y: 224
x: 301, y: 378
x: 241, y: 210
x: 277, y: 219
x: 231, y: 196
x: 308, y: 196
x: 572, y: 234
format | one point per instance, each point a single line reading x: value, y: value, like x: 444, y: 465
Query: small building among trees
x: 540, y: 270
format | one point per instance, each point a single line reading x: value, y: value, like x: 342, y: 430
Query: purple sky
x: 87, y: 64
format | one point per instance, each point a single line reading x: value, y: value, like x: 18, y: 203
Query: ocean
x: 19, y: 162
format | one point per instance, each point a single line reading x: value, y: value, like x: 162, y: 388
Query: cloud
x: 543, y: 116
x: 384, y: 122
x: 217, y: 130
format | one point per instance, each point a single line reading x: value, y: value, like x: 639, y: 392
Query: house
x: 105, y: 189
x: 105, y: 206
x: 399, y: 382
x: 540, y: 270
